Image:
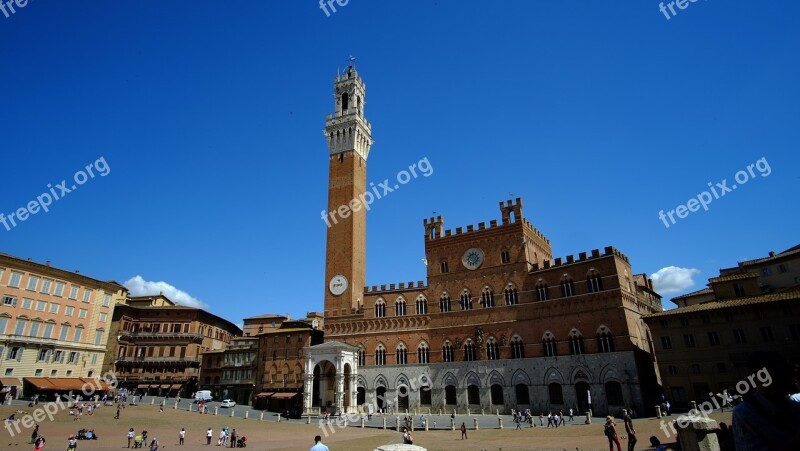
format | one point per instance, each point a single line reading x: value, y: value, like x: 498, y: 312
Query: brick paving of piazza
x: 297, y: 435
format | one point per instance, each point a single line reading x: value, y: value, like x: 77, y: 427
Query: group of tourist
x: 226, y: 438
x: 140, y: 440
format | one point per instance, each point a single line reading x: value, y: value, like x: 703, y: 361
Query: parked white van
x: 203, y: 395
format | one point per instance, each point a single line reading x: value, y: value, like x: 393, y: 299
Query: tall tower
x: 349, y: 140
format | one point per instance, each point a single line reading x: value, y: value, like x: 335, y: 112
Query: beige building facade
x: 54, y: 323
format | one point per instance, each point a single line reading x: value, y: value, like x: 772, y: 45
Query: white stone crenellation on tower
x: 347, y: 129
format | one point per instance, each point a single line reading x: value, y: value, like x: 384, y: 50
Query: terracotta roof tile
x: 748, y: 275
x: 738, y: 302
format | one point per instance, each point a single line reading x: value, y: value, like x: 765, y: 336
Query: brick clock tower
x: 349, y: 140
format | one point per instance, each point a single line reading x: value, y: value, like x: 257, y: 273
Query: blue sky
x: 209, y: 118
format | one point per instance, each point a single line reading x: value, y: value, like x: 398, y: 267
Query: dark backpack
x: 608, y: 430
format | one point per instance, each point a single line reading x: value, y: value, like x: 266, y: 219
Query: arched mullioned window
x: 362, y: 356
x: 517, y: 348
x: 605, y: 340
x: 541, y: 291
x: 402, y: 354
x: 466, y: 300
x: 567, y: 286
x: 380, y: 355
x: 380, y: 308
x: 487, y: 297
x: 469, y: 351
x: 423, y: 353
x: 400, y: 307
x: 492, y: 349
x: 575, y: 343
x: 447, y: 352
x: 594, y: 282
x: 511, y: 296
x: 422, y: 305
x: 445, y: 304
x: 549, y: 345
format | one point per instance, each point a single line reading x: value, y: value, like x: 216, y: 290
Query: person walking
x: 72, y: 443
x: 233, y: 438
x: 610, y: 432
x: 181, y: 436
x: 154, y: 444
x: 571, y: 416
x: 561, y: 416
x: 209, y: 435
x: 518, y: 420
x: 463, y: 431
x: 318, y: 446
x: 39, y: 444
x: 130, y: 436
x: 34, y: 434
x: 629, y: 430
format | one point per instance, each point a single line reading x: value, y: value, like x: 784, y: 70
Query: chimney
x: 288, y: 317
x: 771, y: 253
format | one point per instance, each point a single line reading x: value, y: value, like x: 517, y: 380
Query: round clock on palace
x: 337, y: 285
x: 473, y: 258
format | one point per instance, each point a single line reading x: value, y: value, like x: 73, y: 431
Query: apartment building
x: 54, y: 323
x: 158, y: 346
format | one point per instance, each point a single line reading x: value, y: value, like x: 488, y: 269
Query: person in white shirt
x: 318, y: 446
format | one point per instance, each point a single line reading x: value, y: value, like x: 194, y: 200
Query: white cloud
x: 672, y: 279
x: 140, y: 287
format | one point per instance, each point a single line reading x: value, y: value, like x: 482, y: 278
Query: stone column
x: 338, y: 394
x: 353, y: 393
x: 308, y: 392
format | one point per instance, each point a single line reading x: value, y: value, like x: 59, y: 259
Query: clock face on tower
x: 473, y: 258
x: 338, y: 284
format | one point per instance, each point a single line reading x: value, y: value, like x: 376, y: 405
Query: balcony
x: 144, y: 361
x: 161, y: 336
x: 25, y: 339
